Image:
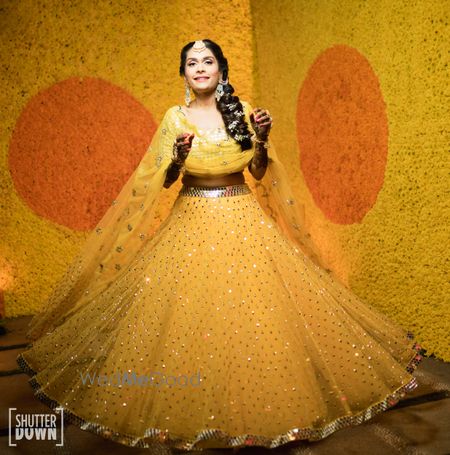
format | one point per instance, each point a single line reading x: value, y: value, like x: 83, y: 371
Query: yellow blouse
x: 213, y: 151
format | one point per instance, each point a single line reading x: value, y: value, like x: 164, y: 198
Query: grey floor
x: 419, y: 424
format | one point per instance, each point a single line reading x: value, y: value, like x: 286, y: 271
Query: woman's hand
x: 182, y: 146
x: 261, y: 123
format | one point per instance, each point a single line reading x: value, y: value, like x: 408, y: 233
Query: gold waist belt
x: 215, y: 191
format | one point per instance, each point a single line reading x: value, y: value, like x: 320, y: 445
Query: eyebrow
x: 204, y: 58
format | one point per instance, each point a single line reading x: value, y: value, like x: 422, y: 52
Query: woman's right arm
x: 181, y: 148
x: 173, y: 171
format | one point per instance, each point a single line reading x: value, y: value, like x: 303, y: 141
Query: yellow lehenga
x: 220, y: 328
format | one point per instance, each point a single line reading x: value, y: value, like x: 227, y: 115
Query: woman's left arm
x: 261, y: 121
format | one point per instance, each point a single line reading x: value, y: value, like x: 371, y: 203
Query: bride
x: 222, y: 327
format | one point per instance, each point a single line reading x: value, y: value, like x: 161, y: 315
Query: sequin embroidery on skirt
x: 222, y: 333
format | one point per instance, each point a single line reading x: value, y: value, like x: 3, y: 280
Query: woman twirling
x: 222, y: 327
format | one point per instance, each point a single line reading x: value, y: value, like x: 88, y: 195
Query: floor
x: 419, y: 424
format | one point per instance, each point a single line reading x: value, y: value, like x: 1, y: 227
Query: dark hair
x: 229, y: 106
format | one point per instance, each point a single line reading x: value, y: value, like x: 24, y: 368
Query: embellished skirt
x: 222, y: 333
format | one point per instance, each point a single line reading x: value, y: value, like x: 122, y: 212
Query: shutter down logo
x: 41, y: 427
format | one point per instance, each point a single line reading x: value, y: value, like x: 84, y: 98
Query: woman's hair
x: 229, y: 106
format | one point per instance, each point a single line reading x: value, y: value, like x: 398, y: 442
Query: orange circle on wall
x: 342, y: 132
x: 74, y: 146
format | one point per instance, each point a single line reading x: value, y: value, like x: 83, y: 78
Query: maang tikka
x: 199, y: 46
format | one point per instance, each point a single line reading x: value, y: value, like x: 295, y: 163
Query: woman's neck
x: 204, y: 101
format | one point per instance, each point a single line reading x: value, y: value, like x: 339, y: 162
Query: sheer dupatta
x: 116, y: 239
x: 274, y: 193
x: 121, y: 233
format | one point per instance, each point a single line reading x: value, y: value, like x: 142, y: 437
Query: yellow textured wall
x: 395, y: 256
x: 388, y: 247
x: 111, y: 66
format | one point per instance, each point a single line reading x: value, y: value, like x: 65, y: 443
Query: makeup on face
x: 202, y: 69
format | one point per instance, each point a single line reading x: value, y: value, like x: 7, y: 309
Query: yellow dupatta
x: 128, y: 223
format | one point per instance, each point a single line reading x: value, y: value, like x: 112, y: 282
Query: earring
x: 219, y: 88
x: 187, y: 94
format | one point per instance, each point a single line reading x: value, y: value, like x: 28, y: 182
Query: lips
x: 201, y: 78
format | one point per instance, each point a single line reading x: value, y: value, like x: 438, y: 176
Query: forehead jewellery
x: 199, y: 46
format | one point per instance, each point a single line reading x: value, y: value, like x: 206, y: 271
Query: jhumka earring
x: 187, y: 94
x: 219, y: 89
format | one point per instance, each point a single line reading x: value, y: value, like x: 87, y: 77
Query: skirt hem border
x: 213, y: 436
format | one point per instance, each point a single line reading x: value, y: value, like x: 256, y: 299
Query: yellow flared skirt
x: 222, y: 333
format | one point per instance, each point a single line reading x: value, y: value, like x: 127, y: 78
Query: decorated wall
x: 84, y: 86
x: 359, y: 94
x: 356, y: 90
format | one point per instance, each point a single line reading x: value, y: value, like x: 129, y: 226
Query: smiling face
x: 201, y: 71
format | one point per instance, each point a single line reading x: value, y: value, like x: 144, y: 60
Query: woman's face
x: 201, y: 71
